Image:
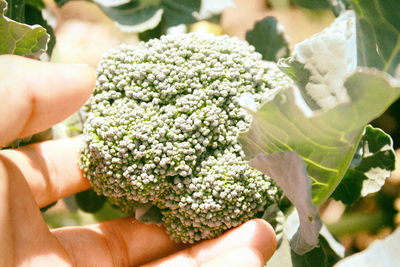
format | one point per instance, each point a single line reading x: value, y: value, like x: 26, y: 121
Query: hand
x: 35, y: 95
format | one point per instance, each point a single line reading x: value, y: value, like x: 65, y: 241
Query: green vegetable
x: 162, y: 130
x: 19, y: 38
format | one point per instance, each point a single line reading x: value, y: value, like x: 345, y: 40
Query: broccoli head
x: 162, y: 129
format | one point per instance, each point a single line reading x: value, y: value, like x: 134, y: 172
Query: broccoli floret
x: 162, y: 128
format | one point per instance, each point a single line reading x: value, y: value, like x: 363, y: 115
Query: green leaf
x: 378, y: 38
x: 150, y: 2
x: 269, y: 40
x: 322, y: 256
x: 89, y: 201
x: 151, y: 34
x: 21, y: 39
x: 134, y: 16
x: 320, y: 64
x: 179, y: 11
x: 326, y: 141
x: 33, y: 15
x: 293, y: 180
x: 326, y: 254
x: 369, y: 168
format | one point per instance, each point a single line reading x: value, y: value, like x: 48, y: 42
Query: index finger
x: 35, y: 95
x: 50, y: 168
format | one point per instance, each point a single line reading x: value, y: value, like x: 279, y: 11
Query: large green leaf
x: 268, y: 38
x: 378, y: 33
x: 30, y: 12
x: 326, y: 141
x: 21, y: 39
x: 369, y: 168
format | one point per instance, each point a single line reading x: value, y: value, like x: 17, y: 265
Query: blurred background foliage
x: 83, y: 32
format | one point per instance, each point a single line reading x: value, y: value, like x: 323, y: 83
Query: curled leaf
x: 369, y: 168
x: 21, y: 39
x: 320, y: 64
x: 288, y: 170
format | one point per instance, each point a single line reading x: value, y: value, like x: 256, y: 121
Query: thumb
x: 34, y: 95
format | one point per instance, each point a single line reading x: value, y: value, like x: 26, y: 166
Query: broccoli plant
x: 201, y: 133
x: 162, y: 129
x: 164, y: 121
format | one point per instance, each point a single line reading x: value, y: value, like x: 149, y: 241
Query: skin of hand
x: 35, y: 95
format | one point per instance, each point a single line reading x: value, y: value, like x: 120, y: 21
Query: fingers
x: 251, y: 244
x: 127, y: 242
x: 25, y: 237
x: 121, y: 242
x: 239, y: 257
x: 35, y: 95
x: 50, y: 168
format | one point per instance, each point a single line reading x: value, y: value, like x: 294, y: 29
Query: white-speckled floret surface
x: 162, y: 128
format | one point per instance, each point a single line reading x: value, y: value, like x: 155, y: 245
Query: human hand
x: 35, y: 95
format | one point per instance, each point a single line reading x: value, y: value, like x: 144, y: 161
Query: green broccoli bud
x: 162, y: 128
